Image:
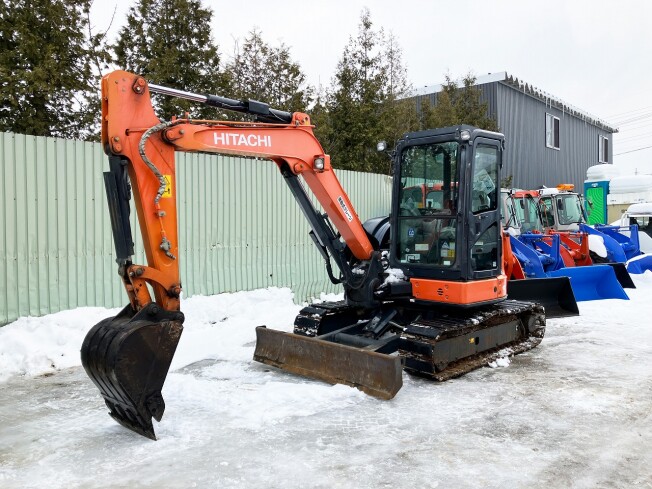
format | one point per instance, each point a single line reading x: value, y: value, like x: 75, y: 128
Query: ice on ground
x: 231, y: 422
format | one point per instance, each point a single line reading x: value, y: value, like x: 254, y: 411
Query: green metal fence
x: 240, y: 227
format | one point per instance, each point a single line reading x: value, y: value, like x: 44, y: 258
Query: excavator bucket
x: 554, y: 294
x: 128, y: 357
x: 327, y: 358
x: 593, y: 283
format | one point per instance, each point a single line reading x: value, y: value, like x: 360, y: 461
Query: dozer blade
x: 593, y: 283
x: 377, y: 374
x: 623, y: 276
x: 554, y: 294
x: 128, y: 357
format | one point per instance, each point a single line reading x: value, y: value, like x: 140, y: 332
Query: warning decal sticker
x: 167, y: 193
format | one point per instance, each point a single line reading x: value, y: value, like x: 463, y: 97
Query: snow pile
x: 630, y: 184
x: 218, y: 326
x: 645, y: 242
x: 38, y: 345
x: 630, y: 189
x: 602, y: 172
x: 500, y: 362
x: 328, y: 297
x: 394, y: 275
x: 596, y: 245
x: 643, y: 208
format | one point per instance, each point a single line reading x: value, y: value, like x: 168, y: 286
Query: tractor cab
x: 561, y: 208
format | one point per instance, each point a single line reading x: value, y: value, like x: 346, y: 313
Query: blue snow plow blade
x: 630, y: 244
x: 640, y: 265
x: 620, y: 248
x: 593, y: 283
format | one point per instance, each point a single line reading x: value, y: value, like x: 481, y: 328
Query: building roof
x: 520, y: 85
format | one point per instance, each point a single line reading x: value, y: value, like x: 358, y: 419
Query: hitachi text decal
x: 250, y: 140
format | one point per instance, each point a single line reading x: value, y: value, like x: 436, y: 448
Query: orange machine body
x: 460, y: 293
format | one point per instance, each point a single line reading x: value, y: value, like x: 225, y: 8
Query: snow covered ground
x: 575, y: 412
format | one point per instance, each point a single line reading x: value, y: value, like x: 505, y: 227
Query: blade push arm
x: 134, y: 136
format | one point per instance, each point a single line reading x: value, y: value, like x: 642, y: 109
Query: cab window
x: 485, y: 174
x: 547, y: 214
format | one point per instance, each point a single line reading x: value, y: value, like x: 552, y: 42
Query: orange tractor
x: 424, y: 288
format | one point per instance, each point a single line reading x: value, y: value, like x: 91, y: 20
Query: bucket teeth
x: 128, y: 357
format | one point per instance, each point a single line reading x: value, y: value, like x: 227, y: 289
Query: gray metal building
x: 548, y: 141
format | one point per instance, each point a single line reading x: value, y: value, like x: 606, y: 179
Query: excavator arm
x: 128, y: 356
x: 142, y: 146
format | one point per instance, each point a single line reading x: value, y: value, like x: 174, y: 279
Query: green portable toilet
x: 596, y: 189
x: 595, y: 201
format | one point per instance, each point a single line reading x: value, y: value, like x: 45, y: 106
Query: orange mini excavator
x: 424, y: 288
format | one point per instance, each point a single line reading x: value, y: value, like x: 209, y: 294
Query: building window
x: 552, y: 131
x: 603, y: 149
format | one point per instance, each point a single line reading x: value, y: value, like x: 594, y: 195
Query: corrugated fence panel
x: 243, y: 230
x: 240, y: 227
x: 56, y: 248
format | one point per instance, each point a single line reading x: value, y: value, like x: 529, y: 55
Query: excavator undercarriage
x: 439, y: 345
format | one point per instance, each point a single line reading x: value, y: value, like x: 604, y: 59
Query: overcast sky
x: 595, y: 55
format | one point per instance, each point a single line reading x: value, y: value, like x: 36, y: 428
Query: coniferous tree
x: 398, y: 110
x: 169, y: 43
x: 354, y: 104
x: 266, y: 73
x: 48, y: 82
x: 457, y: 105
x: 368, y: 101
x: 320, y: 118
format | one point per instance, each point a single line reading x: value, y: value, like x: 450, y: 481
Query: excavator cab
x: 458, y: 241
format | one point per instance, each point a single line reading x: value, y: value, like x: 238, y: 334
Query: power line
x: 633, y: 150
x: 634, y: 131
x: 634, y: 127
x: 632, y: 138
x: 620, y: 115
x: 635, y: 119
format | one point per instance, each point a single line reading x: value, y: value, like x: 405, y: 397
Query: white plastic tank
x: 602, y: 173
x: 629, y: 184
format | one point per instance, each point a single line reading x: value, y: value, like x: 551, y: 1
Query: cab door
x: 483, y: 217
